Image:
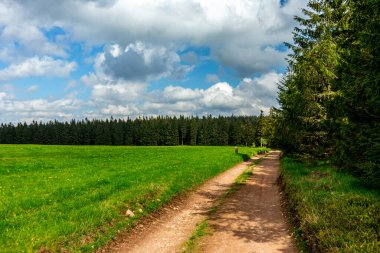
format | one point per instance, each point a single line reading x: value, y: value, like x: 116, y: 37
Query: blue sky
x: 102, y: 58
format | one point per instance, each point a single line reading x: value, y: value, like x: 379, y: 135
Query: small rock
x: 129, y: 213
x: 140, y: 210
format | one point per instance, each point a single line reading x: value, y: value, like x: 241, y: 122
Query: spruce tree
x: 306, y: 91
x: 358, y: 107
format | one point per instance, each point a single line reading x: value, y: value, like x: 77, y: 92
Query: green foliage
x: 335, y: 212
x: 260, y: 129
x: 154, y: 131
x: 76, y: 197
x: 358, y: 107
x: 330, y: 97
x: 307, y: 88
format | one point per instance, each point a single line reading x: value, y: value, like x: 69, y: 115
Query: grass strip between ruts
x: 203, y: 228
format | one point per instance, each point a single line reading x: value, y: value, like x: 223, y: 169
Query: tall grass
x: 334, y: 211
x: 75, y: 198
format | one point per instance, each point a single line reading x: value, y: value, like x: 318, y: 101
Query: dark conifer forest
x: 162, y: 131
x: 330, y: 96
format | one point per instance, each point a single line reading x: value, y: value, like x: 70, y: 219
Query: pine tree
x: 193, y: 130
x: 306, y: 91
x: 358, y: 107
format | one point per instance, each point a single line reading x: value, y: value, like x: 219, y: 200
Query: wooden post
x: 236, y: 150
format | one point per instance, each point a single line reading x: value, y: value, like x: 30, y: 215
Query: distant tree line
x: 207, y: 130
x: 330, y: 96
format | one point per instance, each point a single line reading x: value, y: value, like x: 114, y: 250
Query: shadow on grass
x: 245, y: 157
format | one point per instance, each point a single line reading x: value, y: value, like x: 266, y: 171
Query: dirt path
x: 251, y: 220
x: 177, y: 222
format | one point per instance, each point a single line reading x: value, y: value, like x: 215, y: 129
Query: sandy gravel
x: 171, y: 229
x: 251, y: 220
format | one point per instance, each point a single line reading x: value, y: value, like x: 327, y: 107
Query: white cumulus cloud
x: 242, y: 34
x: 38, y: 66
x: 176, y: 93
x: 121, y: 92
x: 14, y: 110
x: 21, y: 34
x: 247, y: 98
x: 128, y: 99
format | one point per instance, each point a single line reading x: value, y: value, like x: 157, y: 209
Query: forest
x: 330, y: 95
x: 144, y: 131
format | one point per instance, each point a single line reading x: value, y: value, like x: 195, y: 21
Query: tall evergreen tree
x: 358, y: 107
x: 193, y: 130
x: 306, y: 91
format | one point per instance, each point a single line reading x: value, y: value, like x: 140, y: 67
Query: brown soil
x: 249, y: 220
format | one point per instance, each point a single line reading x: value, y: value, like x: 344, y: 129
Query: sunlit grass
x: 335, y: 212
x: 75, y: 197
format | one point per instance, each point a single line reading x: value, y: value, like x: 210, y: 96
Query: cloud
x: 32, y: 88
x: 120, y: 110
x: 121, y: 76
x: 3, y: 95
x: 128, y: 99
x: 13, y: 110
x: 7, y: 87
x: 134, y: 65
x: 21, y: 35
x: 177, y: 108
x: 241, y: 34
x: 260, y: 92
x: 71, y: 84
x: 251, y: 60
x: 221, y: 97
x: 141, y: 62
x: 176, y: 93
x: 38, y: 66
x: 212, y: 78
x: 247, y: 98
x: 121, y: 92
x: 190, y: 57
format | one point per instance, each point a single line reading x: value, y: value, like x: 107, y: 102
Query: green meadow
x: 75, y: 198
x: 334, y: 211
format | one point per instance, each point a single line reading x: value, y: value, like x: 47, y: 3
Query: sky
x: 77, y: 59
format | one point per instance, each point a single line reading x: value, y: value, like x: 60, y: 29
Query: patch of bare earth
x: 251, y: 219
x: 168, y: 231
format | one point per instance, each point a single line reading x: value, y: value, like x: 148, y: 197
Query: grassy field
x: 335, y: 212
x: 75, y: 198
